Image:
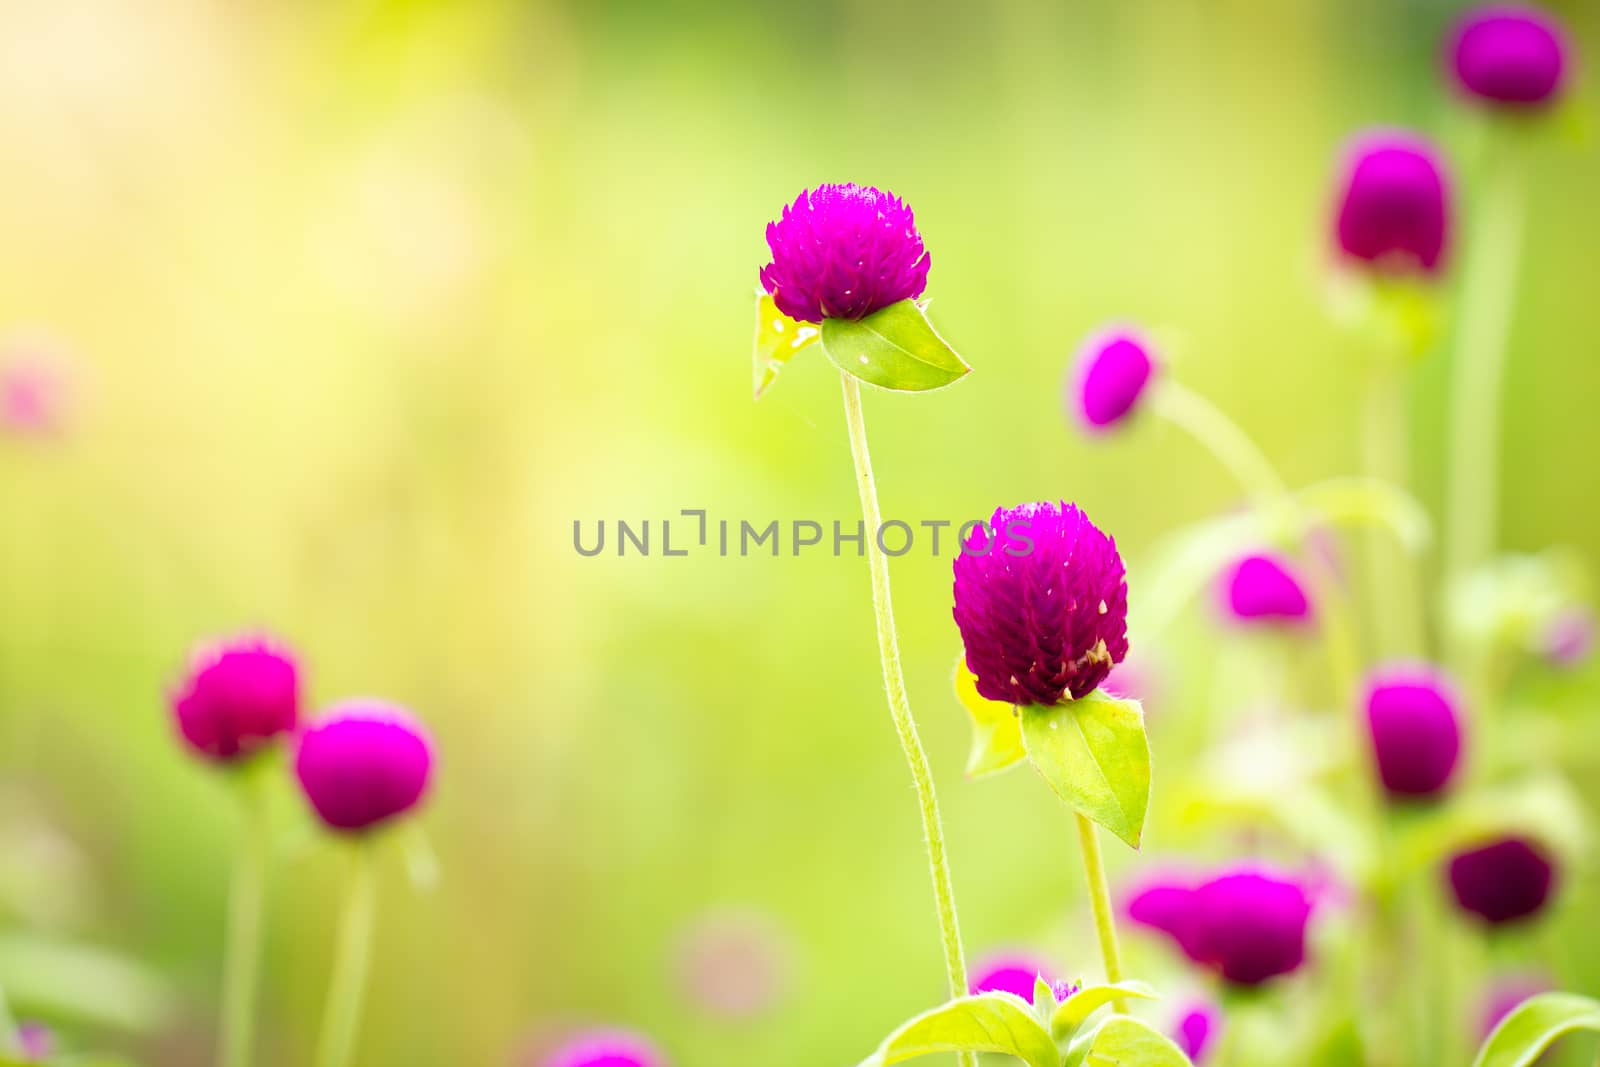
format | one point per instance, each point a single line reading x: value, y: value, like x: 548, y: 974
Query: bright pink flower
x: 363, y: 763
x: 237, y: 695
x: 607, y: 1048
x: 1509, y: 55
x: 1111, y: 373
x: 1010, y: 972
x: 1414, y: 721
x: 1247, y: 925
x: 1264, y: 588
x: 843, y: 252
x: 1394, y: 203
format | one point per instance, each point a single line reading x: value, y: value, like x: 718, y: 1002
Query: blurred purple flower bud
x: 1041, y: 600
x: 238, y: 695
x: 1196, y: 1030
x: 844, y: 251
x: 1246, y: 925
x: 1414, y: 721
x: 1110, y: 374
x: 364, y: 762
x: 1010, y: 972
x: 1394, y: 203
x: 1264, y: 588
x: 606, y: 1048
x: 1509, y: 56
x: 1503, y: 882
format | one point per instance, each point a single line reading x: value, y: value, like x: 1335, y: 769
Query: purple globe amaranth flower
x: 364, y: 762
x: 1415, y: 726
x: 1112, y: 370
x: 1394, y: 204
x: 1196, y: 1030
x: 606, y: 1048
x: 1264, y: 588
x: 1502, y: 882
x: 1509, y: 56
x: 1246, y: 925
x: 238, y: 695
x: 1041, y: 600
x: 1010, y: 972
x: 843, y: 252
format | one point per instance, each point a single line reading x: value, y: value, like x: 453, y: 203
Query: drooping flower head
x: 1196, y: 1030
x: 1502, y: 882
x: 843, y: 252
x: 1247, y: 925
x: 1010, y: 972
x: 1041, y: 600
x: 362, y: 763
x: 1264, y: 587
x: 607, y: 1048
x: 1394, y: 206
x: 1110, y: 374
x: 1414, y: 723
x: 237, y: 695
x: 1509, y: 56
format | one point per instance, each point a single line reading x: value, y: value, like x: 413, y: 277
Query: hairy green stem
x: 1105, y: 922
x: 1487, y: 299
x: 347, y: 987
x: 899, y: 704
x: 242, y: 959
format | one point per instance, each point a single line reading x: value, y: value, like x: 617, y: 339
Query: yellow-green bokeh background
x: 367, y: 302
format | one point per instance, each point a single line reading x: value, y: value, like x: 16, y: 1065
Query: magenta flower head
x: 1264, y: 588
x: 1042, y: 604
x: 1010, y: 972
x: 238, y: 695
x: 1503, y: 882
x: 1394, y: 204
x: 1111, y: 373
x: 1196, y: 1030
x: 1415, y: 726
x: 606, y: 1048
x: 364, y: 762
x: 843, y: 252
x: 1509, y: 56
x: 1247, y: 925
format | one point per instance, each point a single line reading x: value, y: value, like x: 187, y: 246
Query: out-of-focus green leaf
x: 1533, y: 1025
x: 1123, y: 1041
x: 1094, y: 753
x: 996, y: 727
x: 1085, y: 1002
x: 778, y: 339
x: 81, y: 982
x: 1339, y: 1045
x: 895, y: 348
x: 988, y: 1022
x: 1370, y: 502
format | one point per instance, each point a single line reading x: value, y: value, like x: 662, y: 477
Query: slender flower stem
x: 1487, y: 299
x: 899, y: 704
x: 242, y: 966
x: 1105, y: 922
x: 348, y: 984
x: 1397, y: 616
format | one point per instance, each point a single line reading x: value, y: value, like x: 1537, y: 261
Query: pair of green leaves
x: 1044, y: 1034
x: 894, y: 348
x: 1092, y: 752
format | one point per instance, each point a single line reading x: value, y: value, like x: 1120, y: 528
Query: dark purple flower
x: 1509, y: 55
x: 238, y: 695
x: 1196, y: 1030
x: 843, y: 252
x: 1394, y: 203
x: 1570, y: 637
x: 1414, y: 722
x: 1112, y: 370
x: 1264, y: 588
x: 1009, y: 972
x: 1502, y: 882
x: 1041, y: 603
x: 607, y: 1048
x: 362, y: 763
x: 1246, y: 925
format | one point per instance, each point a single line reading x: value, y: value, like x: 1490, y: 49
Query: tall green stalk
x: 347, y: 987
x: 1105, y: 922
x: 242, y: 966
x: 899, y: 704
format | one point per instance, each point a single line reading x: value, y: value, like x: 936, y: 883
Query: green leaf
x: 895, y: 348
x: 778, y: 338
x: 1533, y: 1025
x: 988, y: 1022
x: 1085, y: 1002
x: 996, y: 727
x: 1124, y: 1041
x: 1093, y: 752
x: 81, y: 982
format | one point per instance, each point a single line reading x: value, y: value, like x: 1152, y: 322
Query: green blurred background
x: 363, y: 304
